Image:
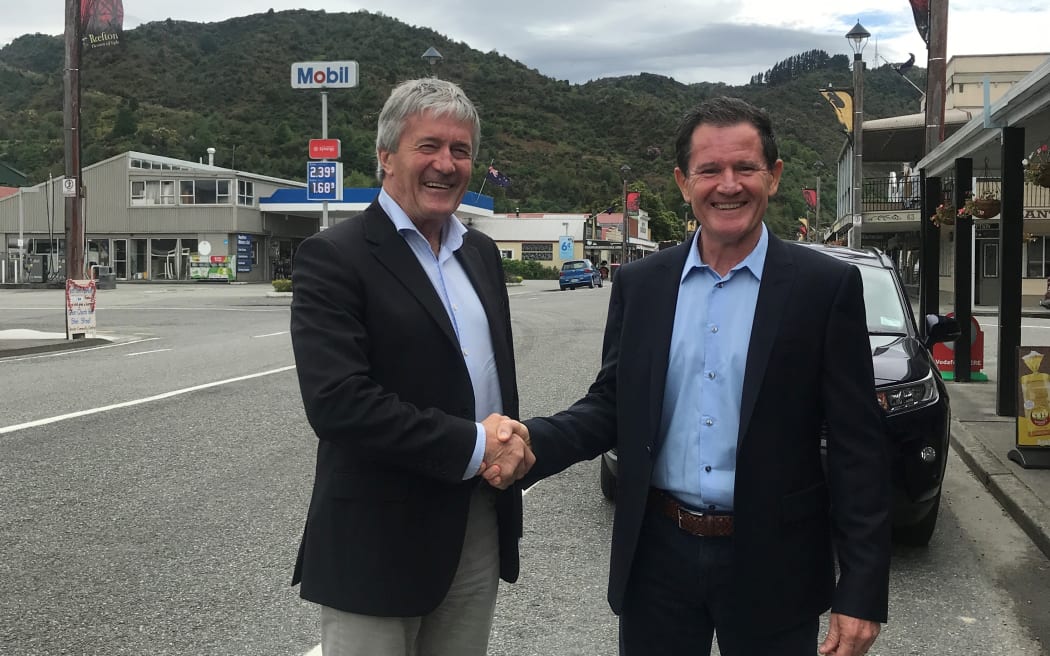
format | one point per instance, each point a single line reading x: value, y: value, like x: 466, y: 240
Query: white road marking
x: 128, y: 404
x: 283, y: 332
x: 79, y: 350
x: 128, y: 355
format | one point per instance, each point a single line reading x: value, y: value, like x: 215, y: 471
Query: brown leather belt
x: 690, y: 521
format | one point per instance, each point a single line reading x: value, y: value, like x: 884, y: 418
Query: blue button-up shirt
x: 464, y: 310
x: 700, y: 421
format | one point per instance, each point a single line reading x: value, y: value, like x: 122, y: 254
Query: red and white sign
x: 325, y: 149
x: 944, y: 352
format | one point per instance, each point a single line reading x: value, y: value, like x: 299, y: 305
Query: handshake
x: 508, y: 451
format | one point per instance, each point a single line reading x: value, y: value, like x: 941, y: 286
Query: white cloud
x: 689, y: 40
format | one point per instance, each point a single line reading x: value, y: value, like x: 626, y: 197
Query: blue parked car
x: 579, y: 273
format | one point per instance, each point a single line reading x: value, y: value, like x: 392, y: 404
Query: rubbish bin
x: 104, y: 277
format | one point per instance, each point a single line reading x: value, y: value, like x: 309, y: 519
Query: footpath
x: 980, y: 437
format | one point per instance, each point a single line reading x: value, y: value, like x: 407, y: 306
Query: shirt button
x: 707, y: 468
x: 714, y: 329
x: 709, y: 422
x: 711, y: 375
x: 465, y: 354
x: 720, y: 285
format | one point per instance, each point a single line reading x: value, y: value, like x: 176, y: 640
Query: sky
x: 689, y: 40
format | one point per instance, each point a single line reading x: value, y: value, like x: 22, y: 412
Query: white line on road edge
x: 148, y: 399
x: 283, y: 332
x: 77, y: 350
x: 128, y: 355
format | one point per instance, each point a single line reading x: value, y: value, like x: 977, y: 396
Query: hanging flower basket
x: 944, y: 215
x: 1037, y: 166
x: 1041, y: 175
x: 986, y: 208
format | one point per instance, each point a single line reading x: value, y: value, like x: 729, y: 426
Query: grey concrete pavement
x: 982, y: 438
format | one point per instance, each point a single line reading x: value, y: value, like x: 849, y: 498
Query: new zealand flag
x: 497, y: 178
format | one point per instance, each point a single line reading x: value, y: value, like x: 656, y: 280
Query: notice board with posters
x: 1033, y: 411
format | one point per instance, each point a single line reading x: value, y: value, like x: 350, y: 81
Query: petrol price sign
x: 324, y: 181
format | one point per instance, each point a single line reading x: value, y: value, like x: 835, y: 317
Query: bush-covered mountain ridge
x: 175, y: 88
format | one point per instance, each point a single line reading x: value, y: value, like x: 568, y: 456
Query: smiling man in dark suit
x: 402, y: 339
x: 725, y: 360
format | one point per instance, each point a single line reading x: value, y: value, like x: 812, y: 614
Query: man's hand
x: 849, y: 636
x: 507, y: 454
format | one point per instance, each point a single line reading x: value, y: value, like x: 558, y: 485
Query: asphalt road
x: 168, y: 525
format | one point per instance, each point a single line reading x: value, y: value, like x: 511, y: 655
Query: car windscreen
x: 572, y: 265
x: 882, y: 304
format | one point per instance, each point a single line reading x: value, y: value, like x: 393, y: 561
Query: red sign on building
x: 325, y: 149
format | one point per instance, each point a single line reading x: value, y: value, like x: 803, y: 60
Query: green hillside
x: 176, y: 88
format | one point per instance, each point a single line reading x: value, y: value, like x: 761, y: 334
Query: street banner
x: 633, y: 202
x: 101, y: 22
x: 920, y: 9
x: 1033, y: 408
x: 810, y: 196
x: 842, y: 102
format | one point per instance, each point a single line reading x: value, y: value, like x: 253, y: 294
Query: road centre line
x: 129, y: 355
x: 148, y: 399
x: 283, y: 332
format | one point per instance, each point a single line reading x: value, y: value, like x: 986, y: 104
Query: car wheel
x: 607, y: 481
x: 919, y: 533
x: 592, y: 284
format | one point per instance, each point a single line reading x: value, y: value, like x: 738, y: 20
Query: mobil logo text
x: 324, y: 75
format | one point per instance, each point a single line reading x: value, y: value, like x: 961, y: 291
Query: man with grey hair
x: 402, y: 339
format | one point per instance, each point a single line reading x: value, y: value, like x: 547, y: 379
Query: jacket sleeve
x: 858, y: 459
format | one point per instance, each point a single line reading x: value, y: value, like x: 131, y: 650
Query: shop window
x: 204, y: 192
x: 245, y: 193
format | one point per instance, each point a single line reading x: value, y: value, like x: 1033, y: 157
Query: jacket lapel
x: 663, y: 294
x: 394, y: 254
x: 777, y: 277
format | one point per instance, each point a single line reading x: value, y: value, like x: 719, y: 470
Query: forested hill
x: 175, y: 88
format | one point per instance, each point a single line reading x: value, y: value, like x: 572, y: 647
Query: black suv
x: 908, y: 387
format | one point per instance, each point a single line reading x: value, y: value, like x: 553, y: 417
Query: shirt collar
x: 451, y: 234
x: 755, y: 261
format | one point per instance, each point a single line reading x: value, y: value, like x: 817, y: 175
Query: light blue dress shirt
x: 700, y: 421
x: 464, y: 310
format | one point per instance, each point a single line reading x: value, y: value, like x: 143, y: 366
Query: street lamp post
x: 858, y: 38
x: 432, y: 56
x: 625, y: 173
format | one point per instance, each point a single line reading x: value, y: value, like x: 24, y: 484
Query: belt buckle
x: 685, y: 511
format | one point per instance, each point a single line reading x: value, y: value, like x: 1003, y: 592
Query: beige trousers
x: 458, y: 627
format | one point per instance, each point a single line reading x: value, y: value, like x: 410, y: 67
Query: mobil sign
x: 324, y: 75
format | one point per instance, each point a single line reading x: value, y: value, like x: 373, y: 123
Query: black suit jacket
x: 387, y: 392
x: 808, y: 365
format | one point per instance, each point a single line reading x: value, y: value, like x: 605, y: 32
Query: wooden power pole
x: 71, y: 124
